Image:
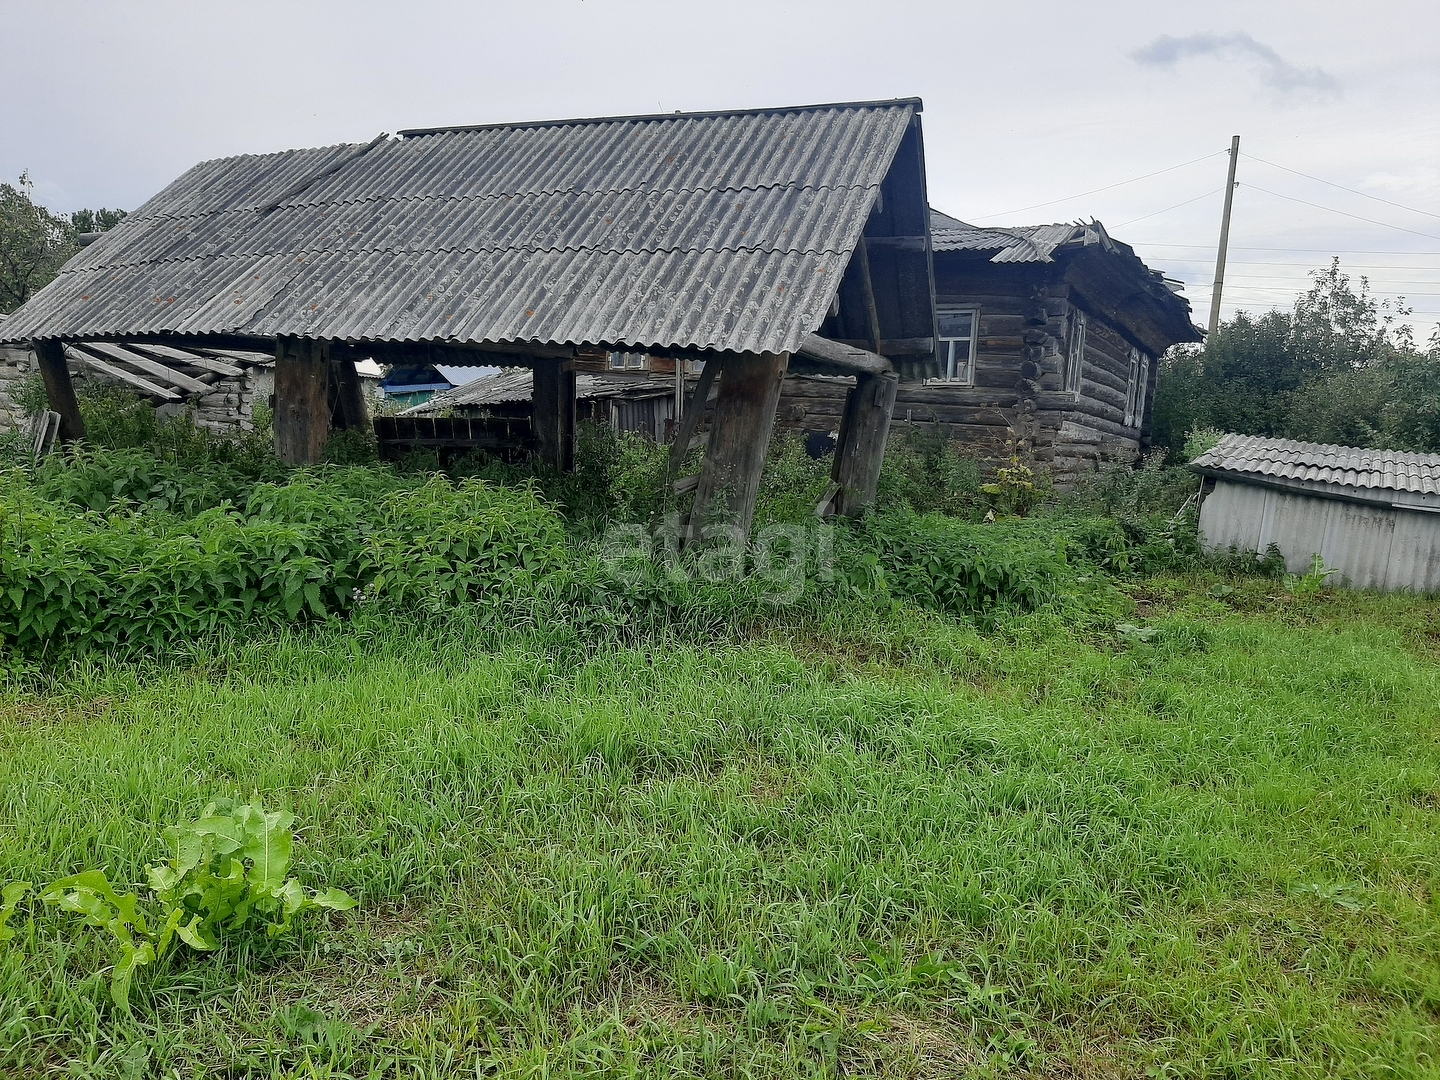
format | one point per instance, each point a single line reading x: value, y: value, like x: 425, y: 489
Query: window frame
x: 1136, y: 386
x: 625, y: 359
x: 973, y: 311
x: 1075, y: 351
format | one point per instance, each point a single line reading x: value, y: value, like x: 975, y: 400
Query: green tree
x: 34, y: 244
x: 1338, y: 367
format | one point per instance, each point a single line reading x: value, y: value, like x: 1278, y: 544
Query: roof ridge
x: 415, y: 133
x: 798, y: 185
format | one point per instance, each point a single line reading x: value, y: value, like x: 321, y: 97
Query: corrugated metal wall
x: 1372, y: 546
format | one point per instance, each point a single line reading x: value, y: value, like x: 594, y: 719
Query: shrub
x: 924, y: 473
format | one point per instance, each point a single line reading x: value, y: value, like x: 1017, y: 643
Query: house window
x: 1135, y: 389
x: 955, y: 345
x: 627, y: 361
x: 1075, y: 354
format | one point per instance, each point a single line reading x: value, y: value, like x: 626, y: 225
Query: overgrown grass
x: 1048, y: 797
x: 894, y: 845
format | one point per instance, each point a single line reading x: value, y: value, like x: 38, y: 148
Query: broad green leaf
x: 131, y: 958
x: 334, y: 899
x: 10, y: 896
x: 196, y: 936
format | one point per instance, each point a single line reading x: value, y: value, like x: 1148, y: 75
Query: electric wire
x: 1177, y: 206
x: 1342, y: 213
x: 1093, y: 191
x: 1342, y: 187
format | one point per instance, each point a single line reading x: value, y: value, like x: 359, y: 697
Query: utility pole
x: 1224, y: 237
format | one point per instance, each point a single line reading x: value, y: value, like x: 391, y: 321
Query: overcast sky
x: 1026, y: 104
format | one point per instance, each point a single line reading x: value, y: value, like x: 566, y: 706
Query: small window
x: 627, y: 361
x: 955, y: 345
x: 1135, y: 388
x: 1075, y: 354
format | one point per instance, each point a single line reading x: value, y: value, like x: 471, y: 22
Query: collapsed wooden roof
x: 1106, y: 272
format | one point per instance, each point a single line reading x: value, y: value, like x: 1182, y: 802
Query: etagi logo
x: 780, y: 558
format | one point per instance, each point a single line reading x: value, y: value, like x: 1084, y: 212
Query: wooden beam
x: 917, y: 346
x: 302, y: 406
x: 841, y: 358
x: 350, y: 413
x: 898, y: 243
x: 194, y: 359
x: 144, y: 363
x: 119, y: 374
x: 860, y: 452
x: 739, y: 439
x: 872, y: 313
x: 554, y: 411
x: 59, y: 390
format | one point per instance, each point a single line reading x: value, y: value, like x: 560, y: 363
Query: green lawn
x: 904, y: 849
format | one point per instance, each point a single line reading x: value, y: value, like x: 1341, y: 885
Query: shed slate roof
x: 512, y: 385
x: 1321, y: 464
x: 728, y: 231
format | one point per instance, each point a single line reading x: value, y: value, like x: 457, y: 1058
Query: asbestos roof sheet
x: 722, y: 231
x: 518, y: 384
x: 1321, y: 463
x: 1025, y: 243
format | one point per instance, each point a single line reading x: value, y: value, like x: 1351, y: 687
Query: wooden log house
x: 1047, y: 344
x: 724, y: 237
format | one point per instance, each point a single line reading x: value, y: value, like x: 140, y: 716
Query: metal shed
x: 1374, y: 515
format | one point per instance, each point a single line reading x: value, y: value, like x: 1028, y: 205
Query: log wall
x: 1018, y: 403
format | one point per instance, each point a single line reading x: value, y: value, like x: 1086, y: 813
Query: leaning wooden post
x: 59, y: 391
x: 302, y: 403
x: 350, y: 410
x: 864, y: 427
x: 739, y: 439
x: 554, y: 413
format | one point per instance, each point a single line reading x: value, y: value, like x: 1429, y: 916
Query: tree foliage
x: 1339, y: 367
x: 34, y: 243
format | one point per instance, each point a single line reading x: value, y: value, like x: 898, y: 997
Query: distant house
x: 412, y: 384
x: 1047, y: 341
x: 1373, y: 515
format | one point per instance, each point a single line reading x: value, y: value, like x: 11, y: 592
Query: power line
x: 1342, y: 213
x: 1310, y: 264
x: 1093, y: 191
x: 1177, y: 206
x: 1319, y: 251
x: 1342, y: 187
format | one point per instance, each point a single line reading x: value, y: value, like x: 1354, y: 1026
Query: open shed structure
x: 758, y: 241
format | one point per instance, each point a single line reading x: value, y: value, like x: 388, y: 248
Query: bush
x: 319, y: 544
x: 925, y: 473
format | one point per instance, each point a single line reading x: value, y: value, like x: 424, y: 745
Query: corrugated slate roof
x: 1024, y: 243
x: 518, y: 384
x: 721, y: 230
x: 1321, y: 463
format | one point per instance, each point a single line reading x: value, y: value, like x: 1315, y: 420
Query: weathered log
x: 739, y: 437
x: 860, y: 451
x: 554, y: 399
x: 350, y: 412
x: 302, y: 406
x: 59, y: 391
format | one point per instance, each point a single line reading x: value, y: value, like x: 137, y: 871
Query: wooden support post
x: 739, y: 439
x: 349, y: 412
x: 302, y: 402
x: 864, y: 427
x: 59, y: 391
x: 554, y: 405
